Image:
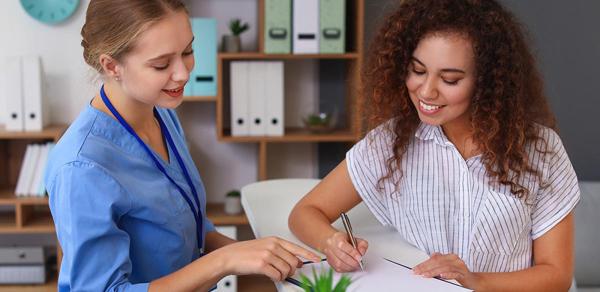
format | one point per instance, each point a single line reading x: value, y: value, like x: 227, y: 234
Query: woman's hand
x: 449, y: 267
x: 274, y: 257
x: 340, y: 253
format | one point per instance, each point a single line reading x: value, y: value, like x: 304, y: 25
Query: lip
x: 425, y: 111
x: 177, y: 92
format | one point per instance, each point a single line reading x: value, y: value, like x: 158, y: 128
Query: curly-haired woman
x: 463, y: 159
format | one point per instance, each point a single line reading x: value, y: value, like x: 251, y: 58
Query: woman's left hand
x: 449, y: 267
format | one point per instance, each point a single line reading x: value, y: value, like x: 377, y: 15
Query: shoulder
x: 546, y: 145
x: 382, y: 135
x: 69, y: 146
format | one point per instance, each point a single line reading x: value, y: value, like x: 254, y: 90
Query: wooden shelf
x: 51, y: 132
x: 39, y: 222
x: 8, y: 197
x: 216, y: 214
x: 263, y: 56
x: 294, y: 135
x: 7, y: 220
x: 200, y: 98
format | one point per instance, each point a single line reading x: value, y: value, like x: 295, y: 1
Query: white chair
x: 268, y: 205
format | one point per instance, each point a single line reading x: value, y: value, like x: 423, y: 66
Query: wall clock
x: 50, y: 11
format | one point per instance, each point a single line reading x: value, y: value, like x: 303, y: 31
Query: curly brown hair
x: 508, y: 104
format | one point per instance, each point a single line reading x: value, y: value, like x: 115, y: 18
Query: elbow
x: 562, y: 279
x: 294, y: 218
x: 565, y: 283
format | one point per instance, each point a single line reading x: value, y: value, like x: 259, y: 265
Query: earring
x: 117, y: 78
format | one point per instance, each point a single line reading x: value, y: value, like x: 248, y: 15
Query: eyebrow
x: 168, y: 54
x: 451, y: 70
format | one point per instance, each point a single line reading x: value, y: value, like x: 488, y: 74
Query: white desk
x: 268, y: 204
x: 386, y: 241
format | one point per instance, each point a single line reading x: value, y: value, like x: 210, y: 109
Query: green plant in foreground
x: 323, y: 282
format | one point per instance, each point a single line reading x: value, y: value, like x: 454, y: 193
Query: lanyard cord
x: 166, y: 134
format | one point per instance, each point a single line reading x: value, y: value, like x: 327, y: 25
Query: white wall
x: 70, y: 85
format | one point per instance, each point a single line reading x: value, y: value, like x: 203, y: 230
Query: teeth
x: 429, y: 107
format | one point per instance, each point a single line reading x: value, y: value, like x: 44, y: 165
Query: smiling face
x: 159, y: 65
x: 441, y: 79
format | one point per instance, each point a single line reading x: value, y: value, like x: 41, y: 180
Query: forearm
x: 544, y: 278
x: 200, y: 275
x: 215, y: 240
x: 310, y: 226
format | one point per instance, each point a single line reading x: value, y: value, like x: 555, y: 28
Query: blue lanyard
x: 165, y: 132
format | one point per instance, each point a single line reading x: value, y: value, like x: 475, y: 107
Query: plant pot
x: 233, y: 205
x: 231, y: 44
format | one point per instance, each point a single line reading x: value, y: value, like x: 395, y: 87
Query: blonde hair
x: 112, y: 26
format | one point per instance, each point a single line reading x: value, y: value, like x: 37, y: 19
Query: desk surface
x: 386, y: 241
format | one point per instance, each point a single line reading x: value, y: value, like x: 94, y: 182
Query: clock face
x: 50, y: 11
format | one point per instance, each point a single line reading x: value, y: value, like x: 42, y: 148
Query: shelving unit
x: 31, y: 215
x: 28, y: 215
x: 353, y: 58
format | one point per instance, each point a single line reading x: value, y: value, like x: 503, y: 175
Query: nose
x: 180, y: 72
x: 428, y: 89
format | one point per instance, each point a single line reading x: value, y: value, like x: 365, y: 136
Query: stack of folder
x: 305, y: 26
x: 31, y: 175
x: 257, y: 98
x: 22, y: 90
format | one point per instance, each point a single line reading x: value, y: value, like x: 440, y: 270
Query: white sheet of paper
x: 383, y: 275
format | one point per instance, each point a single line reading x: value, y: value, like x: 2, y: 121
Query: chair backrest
x: 587, y: 235
x: 268, y: 205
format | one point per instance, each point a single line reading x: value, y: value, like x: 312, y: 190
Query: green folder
x: 332, y: 26
x: 278, y: 24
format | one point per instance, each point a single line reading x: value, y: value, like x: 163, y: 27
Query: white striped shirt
x: 444, y: 203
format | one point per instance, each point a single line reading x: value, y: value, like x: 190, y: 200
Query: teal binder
x: 203, y: 79
x: 332, y: 26
x: 278, y: 24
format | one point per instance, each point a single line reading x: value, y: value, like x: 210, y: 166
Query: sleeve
x: 559, y: 194
x: 366, y: 162
x: 86, y: 204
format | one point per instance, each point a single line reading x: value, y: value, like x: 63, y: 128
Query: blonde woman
x: 126, y: 198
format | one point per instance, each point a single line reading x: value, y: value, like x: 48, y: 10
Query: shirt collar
x: 429, y: 132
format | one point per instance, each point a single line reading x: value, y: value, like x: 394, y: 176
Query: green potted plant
x: 232, y: 43
x: 233, y: 203
x: 323, y: 282
x: 318, y: 123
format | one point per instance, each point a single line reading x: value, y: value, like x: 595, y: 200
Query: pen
x: 348, y: 227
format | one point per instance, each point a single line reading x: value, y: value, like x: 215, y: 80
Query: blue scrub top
x: 120, y: 222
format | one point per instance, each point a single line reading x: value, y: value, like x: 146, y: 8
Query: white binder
x: 239, y: 98
x: 306, y: 26
x: 228, y: 283
x: 274, y: 98
x: 29, y: 174
x: 34, y: 115
x: 27, y: 160
x: 38, y: 173
x: 257, y: 99
x: 13, y: 94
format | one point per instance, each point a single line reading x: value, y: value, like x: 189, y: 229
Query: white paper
x: 382, y: 275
